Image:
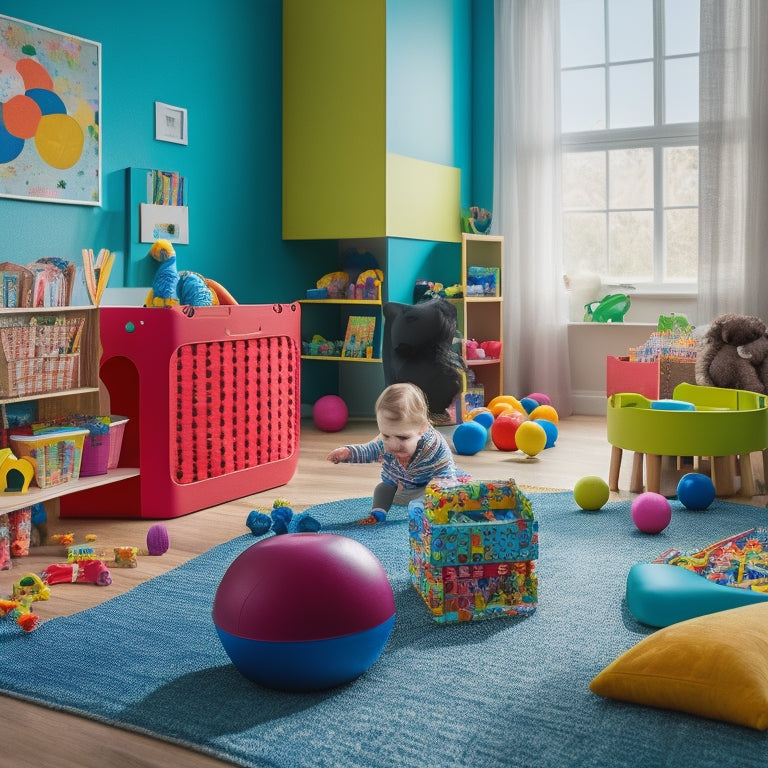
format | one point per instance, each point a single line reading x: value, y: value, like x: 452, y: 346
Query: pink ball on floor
x: 330, y: 413
x: 651, y: 512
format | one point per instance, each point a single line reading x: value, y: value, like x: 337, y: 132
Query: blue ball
x: 695, y: 491
x: 469, y: 438
x: 529, y: 404
x: 550, y: 428
x: 485, y: 418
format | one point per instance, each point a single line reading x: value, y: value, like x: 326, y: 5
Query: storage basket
x: 95, y: 457
x: 40, y: 358
x: 56, y: 455
x: 116, y: 432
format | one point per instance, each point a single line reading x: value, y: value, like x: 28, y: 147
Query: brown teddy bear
x: 734, y: 354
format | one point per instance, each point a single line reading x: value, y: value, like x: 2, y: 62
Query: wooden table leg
x: 636, y: 479
x: 614, y: 469
x: 747, y: 477
x: 653, y: 472
x: 723, y: 469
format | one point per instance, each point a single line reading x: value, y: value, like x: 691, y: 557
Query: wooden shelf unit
x: 88, y: 398
x: 481, y: 317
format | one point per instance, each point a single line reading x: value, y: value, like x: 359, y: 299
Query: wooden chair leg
x: 614, y: 469
x: 653, y: 472
x: 747, y: 476
x: 636, y: 479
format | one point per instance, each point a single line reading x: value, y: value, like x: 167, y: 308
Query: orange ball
x: 546, y: 412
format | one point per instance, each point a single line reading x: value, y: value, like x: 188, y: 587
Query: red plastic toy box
x: 213, y: 401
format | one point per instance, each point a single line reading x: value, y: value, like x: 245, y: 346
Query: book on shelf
x: 96, y: 271
x: 358, y: 340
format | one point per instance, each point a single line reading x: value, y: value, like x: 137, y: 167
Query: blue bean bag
x: 659, y: 594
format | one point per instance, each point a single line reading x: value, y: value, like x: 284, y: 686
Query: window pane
x: 681, y: 26
x: 584, y: 180
x: 681, y: 103
x: 631, y: 95
x: 630, y: 237
x: 681, y: 176
x: 682, y: 231
x: 630, y: 30
x: 584, y: 243
x: 631, y: 178
x: 582, y: 36
x: 583, y: 100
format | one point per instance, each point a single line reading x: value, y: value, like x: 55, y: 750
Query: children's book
x: 96, y: 271
x: 358, y: 341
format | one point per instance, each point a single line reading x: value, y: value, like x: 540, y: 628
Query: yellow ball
x: 530, y: 438
x: 591, y: 493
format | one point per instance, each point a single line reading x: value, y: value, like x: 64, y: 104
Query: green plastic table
x: 725, y: 423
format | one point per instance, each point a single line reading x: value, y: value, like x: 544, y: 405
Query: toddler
x: 411, y: 450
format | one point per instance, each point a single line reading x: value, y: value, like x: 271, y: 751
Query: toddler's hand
x: 338, y: 455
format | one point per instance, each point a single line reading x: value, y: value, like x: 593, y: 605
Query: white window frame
x: 657, y: 137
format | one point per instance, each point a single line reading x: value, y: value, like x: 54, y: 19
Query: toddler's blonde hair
x: 403, y: 403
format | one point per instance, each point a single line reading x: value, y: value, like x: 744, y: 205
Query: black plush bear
x: 418, y: 348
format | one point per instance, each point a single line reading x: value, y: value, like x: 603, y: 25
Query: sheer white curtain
x: 527, y: 198
x: 733, y: 159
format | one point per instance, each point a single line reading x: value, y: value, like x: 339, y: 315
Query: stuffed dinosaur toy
x: 173, y: 288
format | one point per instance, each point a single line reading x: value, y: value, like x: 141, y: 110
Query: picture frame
x: 170, y: 123
x: 50, y: 145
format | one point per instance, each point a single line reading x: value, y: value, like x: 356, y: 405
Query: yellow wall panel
x: 423, y: 199
x: 334, y: 118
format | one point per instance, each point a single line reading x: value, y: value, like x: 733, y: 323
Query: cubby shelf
x: 82, y: 399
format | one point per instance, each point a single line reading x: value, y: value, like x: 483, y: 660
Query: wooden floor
x: 47, y: 738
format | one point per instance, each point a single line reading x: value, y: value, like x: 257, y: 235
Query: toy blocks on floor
x: 473, y: 550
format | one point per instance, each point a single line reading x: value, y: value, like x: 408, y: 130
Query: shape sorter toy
x: 473, y: 550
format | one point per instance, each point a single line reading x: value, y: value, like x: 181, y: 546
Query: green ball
x: 591, y: 492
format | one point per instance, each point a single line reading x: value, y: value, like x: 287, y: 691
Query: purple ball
x: 157, y: 539
x: 330, y: 413
x: 651, y: 512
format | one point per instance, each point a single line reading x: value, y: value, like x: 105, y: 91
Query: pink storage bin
x: 116, y: 432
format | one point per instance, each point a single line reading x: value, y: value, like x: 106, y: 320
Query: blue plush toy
x: 282, y: 520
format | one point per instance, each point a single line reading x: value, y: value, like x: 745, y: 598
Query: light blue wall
x: 222, y: 62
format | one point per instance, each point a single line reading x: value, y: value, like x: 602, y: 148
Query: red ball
x: 330, y: 413
x: 505, y: 428
x: 651, y: 512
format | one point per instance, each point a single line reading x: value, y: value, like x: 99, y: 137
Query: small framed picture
x: 170, y: 123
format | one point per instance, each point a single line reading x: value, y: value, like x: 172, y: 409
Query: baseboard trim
x: 588, y: 403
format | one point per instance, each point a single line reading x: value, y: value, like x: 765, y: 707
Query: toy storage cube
x: 653, y: 380
x: 212, y: 401
x: 473, y: 551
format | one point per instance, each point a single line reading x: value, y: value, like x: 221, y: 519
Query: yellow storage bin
x: 56, y: 455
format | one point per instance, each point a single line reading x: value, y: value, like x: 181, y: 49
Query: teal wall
x: 222, y: 62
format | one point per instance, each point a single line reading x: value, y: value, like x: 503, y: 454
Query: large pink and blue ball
x: 651, y: 512
x: 330, y: 413
x: 695, y: 491
x: 304, y: 611
x: 551, y: 430
x: 469, y: 438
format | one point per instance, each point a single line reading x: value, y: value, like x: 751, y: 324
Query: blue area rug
x: 498, y: 693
